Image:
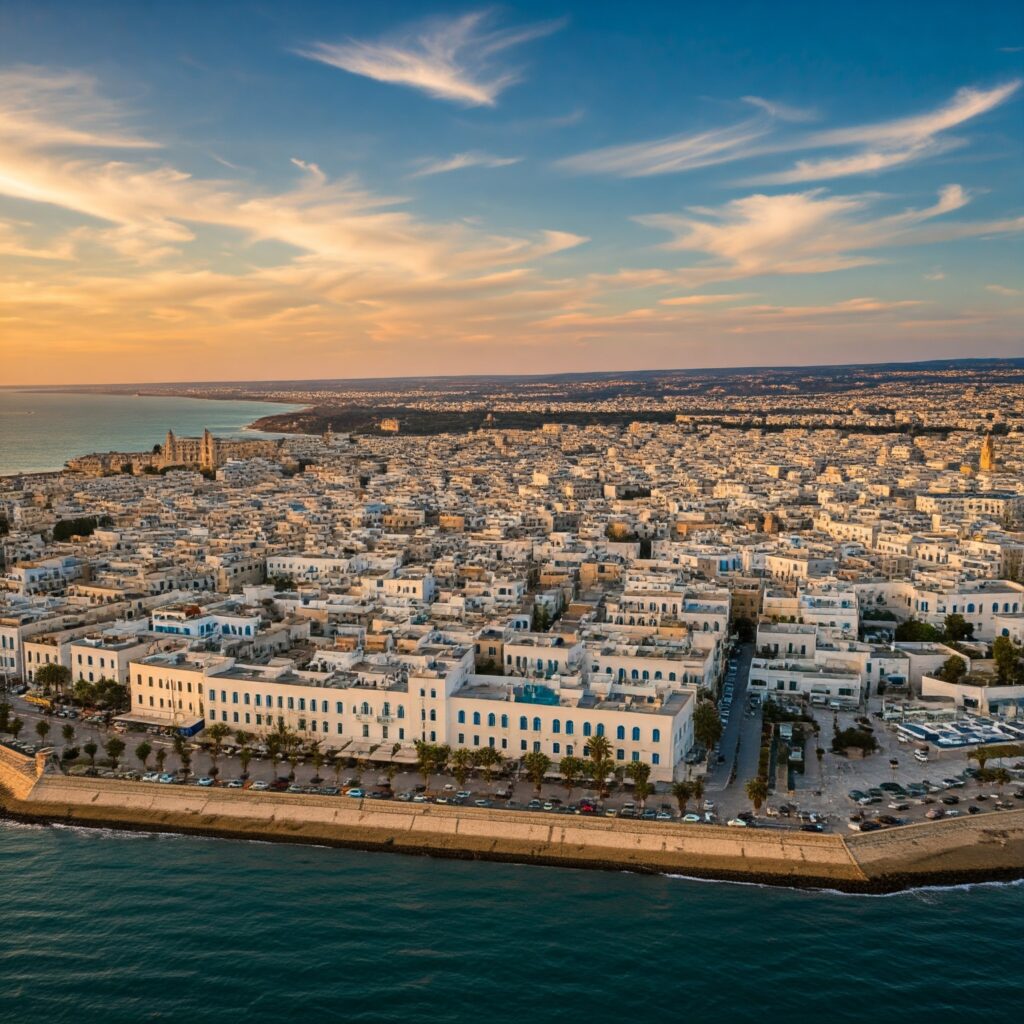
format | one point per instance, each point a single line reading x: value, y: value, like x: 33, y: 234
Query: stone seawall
x: 935, y: 852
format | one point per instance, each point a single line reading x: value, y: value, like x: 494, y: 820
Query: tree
x: 161, y: 758
x: 489, y: 760
x: 957, y: 628
x: 640, y: 773
x: 707, y: 726
x: 981, y: 755
x: 954, y: 668
x: 244, y: 757
x: 142, y: 752
x: 916, y: 632
x: 42, y: 728
x: 462, y: 762
x: 600, y: 762
x: 698, y: 788
x: 16, y: 726
x: 316, y: 756
x: 218, y: 733
x: 1006, y: 655
x: 280, y: 582
x: 683, y: 792
x: 757, y: 791
x: 541, y: 619
x: 68, y: 733
x: 53, y: 677
x: 572, y: 770
x: 114, y: 748
x: 431, y: 758
x: 537, y: 765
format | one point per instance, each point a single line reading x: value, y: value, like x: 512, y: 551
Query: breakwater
x: 941, y: 852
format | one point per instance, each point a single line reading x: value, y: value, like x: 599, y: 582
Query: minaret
x: 987, y: 459
x: 170, y: 449
x: 208, y: 451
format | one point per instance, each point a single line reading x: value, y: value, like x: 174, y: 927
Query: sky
x: 261, y: 191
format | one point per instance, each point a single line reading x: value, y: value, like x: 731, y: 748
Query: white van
x: 921, y: 756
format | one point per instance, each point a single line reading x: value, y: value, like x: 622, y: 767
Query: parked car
x: 204, y: 781
x: 260, y: 785
x: 736, y: 823
x: 356, y: 794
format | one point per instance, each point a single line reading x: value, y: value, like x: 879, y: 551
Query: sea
x: 105, y: 927
x: 40, y: 431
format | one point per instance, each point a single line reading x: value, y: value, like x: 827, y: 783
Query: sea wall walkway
x: 961, y: 850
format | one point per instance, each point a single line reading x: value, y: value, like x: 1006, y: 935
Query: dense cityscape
x: 774, y: 625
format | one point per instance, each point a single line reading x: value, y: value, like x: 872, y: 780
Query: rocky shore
x: 937, y: 853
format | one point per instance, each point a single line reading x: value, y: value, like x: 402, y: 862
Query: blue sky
x: 243, y: 190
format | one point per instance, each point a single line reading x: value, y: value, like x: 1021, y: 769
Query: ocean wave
x: 918, y: 890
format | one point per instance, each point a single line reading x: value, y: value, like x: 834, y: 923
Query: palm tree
x: 979, y: 754
x: 42, y: 728
x: 572, y: 770
x: 244, y: 757
x: 274, y: 749
x: 536, y: 765
x: 161, y: 757
x: 640, y: 773
x: 707, y: 726
x: 218, y: 733
x: 682, y: 791
x: 600, y: 761
x: 391, y: 771
x: 697, y: 785
x: 317, y: 757
x: 462, y: 762
x: 489, y: 760
x: 757, y: 791
x: 114, y: 748
x: 142, y: 752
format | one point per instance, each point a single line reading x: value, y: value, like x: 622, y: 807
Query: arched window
x: 433, y: 714
x: 636, y: 734
x: 570, y: 727
x: 462, y: 718
x: 504, y: 721
x: 491, y: 719
x: 656, y: 735
x: 476, y: 717
x: 401, y: 711
x: 970, y: 606
x: 600, y: 729
x: 634, y: 674
x: 536, y: 725
x: 620, y: 732
x: 365, y: 709
x: 556, y: 726
x: 523, y: 723
x: 586, y: 728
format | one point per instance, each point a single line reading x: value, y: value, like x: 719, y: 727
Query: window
x: 523, y: 724
x: 462, y: 719
x: 504, y: 721
x: 586, y: 728
x: 636, y: 734
x: 556, y: 726
x: 491, y: 720
x: 620, y: 755
x: 656, y: 736
x: 620, y: 732
x: 570, y: 727
x: 476, y: 717
x: 556, y: 748
x: 536, y: 725
x: 600, y: 729
x: 655, y: 758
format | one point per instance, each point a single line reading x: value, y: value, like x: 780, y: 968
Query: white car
x: 691, y: 819
x: 737, y: 823
x: 260, y: 785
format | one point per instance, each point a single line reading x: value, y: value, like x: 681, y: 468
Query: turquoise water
x: 41, y: 431
x: 114, y: 927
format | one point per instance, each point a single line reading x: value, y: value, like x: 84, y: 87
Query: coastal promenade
x: 940, y: 852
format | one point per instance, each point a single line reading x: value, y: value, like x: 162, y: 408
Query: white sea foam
x: 813, y: 891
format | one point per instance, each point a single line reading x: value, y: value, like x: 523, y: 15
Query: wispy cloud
x: 877, y: 147
x: 1001, y: 289
x: 460, y: 161
x: 782, y: 111
x: 450, y: 59
x: 808, y: 233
